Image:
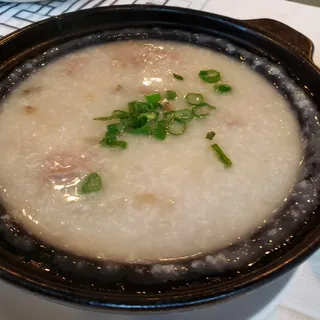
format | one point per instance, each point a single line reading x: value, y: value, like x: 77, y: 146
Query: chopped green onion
x: 183, y: 114
x: 222, y: 156
x: 116, y: 114
x: 153, y: 98
x: 161, y: 130
x: 131, y: 105
x: 105, y: 142
x: 120, y: 114
x: 134, y: 122
x: 127, y: 123
x: 159, y: 105
x: 210, y: 135
x: 171, y: 95
x: 202, y: 109
x: 176, y: 126
x: 120, y: 144
x: 168, y: 115
x: 222, y: 88
x: 104, y: 118
x: 91, y: 183
x: 194, y: 98
x: 150, y: 115
x: 111, y: 135
x: 178, y: 77
x: 142, y: 117
x: 209, y: 76
x: 137, y: 107
x: 139, y: 125
x: 117, y: 127
x: 205, y: 104
x: 145, y: 130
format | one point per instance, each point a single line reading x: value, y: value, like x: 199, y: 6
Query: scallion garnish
x: 111, y: 135
x: 112, y: 143
x: 139, y: 125
x: 153, y: 118
x: 160, y: 131
x: 150, y: 118
x: 194, y: 98
x: 176, y: 126
x: 91, y: 183
x: 137, y: 107
x: 136, y: 122
x: 145, y: 130
x: 117, y: 127
x: 171, y: 95
x: 168, y: 115
x: 116, y: 114
x: 182, y: 114
x: 201, y: 110
x: 210, y: 135
x: 206, y: 104
x: 150, y: 115
x: 210, y: 76
x: 222, y: 88
x: 153, y: 98
x: 222, y: 156
x: 104, y: 118
x: 178, y: 77
x: 120, y: 114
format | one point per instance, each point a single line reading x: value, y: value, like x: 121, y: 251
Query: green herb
x: 137, y: 107
x: 120, y: 114
x: 210, y: 76
x: 202, y: 109
x: 210, y: 135
x: 205, y: 104
x: 171, y: 95
x: 111, y: 135
x: 116, y: 127
x: 149, y: 118
x: 112, y: 143
x: 183, y: 114
x: 176, y: 127
x: 222, y: 156
x: 222, y: 88
x: 199, y: 111
x: 168, y: 115
x: 144, y: 130
x: 161, y: 130
x: 153, y: 98
x: 91, y: 183
x: 150, y: 115
x: 104, y: 118
x: 194, y: 98
x: 135, y: 122
x: 116, y: 114
x: 178, y: 77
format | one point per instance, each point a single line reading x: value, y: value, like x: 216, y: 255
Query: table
x: 302, y: 299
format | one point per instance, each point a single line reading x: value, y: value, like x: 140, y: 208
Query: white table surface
x: 301, y: 299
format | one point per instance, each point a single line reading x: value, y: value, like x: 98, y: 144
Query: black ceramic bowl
x: 33, y: 265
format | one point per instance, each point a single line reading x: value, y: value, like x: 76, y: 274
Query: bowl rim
x: 296, y: 256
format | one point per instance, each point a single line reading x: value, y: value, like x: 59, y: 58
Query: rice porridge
x: 164, y: 192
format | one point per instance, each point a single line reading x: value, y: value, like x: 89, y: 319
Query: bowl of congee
x: 156, y: 158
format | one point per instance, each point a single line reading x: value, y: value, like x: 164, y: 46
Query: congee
x: 144, y: 151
